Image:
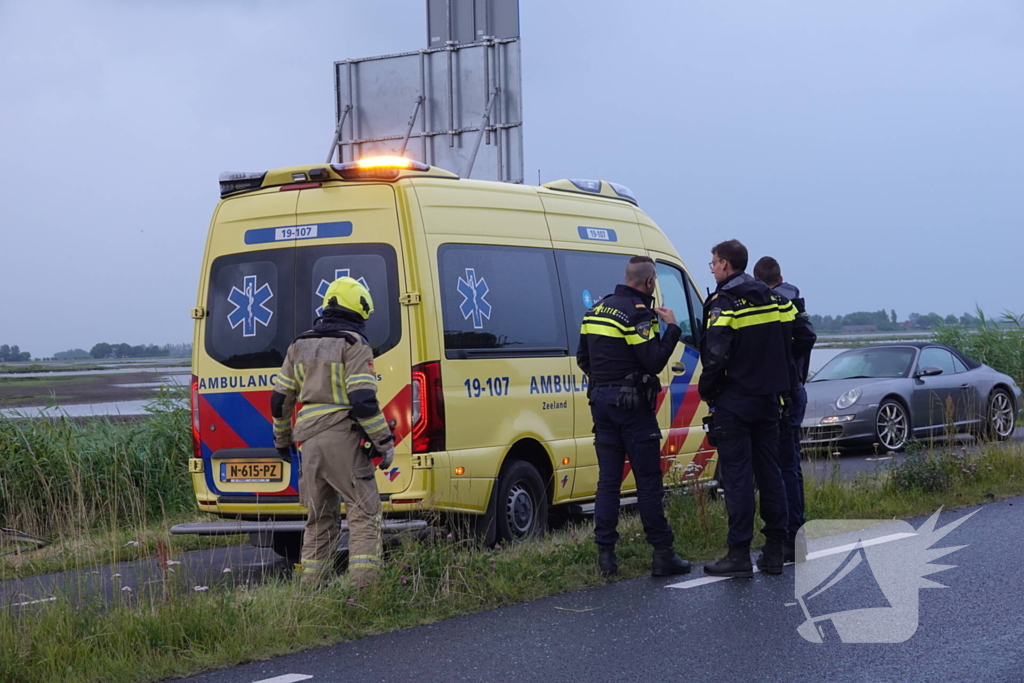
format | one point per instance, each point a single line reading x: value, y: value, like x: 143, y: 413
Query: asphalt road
x: 733, y: 630
x: 230, y: 565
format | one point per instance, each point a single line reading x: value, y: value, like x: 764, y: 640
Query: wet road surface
x: 732, y: 630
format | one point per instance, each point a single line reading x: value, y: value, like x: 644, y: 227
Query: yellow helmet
x: 349, y: 293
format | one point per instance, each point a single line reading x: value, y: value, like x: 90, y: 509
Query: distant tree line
x: 12, y: 354
x: 72, y: 354
x: 881, y: 321
x: 105, y: 350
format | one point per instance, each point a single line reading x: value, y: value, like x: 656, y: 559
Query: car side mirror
x: 929, y: 371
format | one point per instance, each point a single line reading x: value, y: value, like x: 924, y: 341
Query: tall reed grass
x: 63, y: 476
x: 1001, y: 348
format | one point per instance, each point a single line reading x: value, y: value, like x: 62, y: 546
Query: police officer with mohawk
x: 622, y: 353
x: 329, y: 369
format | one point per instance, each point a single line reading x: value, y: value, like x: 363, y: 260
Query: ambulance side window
x: 678, y: 294
x: 500, y: 302
x: 586, y: 277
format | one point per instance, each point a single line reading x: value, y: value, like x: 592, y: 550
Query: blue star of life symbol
x: 321, y: 291
x: 250, y: 306
x: 474, y: 305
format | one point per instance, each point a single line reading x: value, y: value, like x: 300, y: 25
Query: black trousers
x: 618, y: 433
x: 747, y: 430
x: 789, y: 462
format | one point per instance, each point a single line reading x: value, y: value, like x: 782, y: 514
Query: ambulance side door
x: 685, y: 452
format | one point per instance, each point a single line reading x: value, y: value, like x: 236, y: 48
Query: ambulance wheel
x: 521, y: 503
x: 288, y: 544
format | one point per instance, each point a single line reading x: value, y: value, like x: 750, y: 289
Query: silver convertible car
x: 882, y: 396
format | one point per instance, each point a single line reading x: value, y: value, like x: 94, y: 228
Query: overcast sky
x: 876, y: 148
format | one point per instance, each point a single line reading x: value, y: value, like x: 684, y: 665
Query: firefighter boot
x: 770, y: 560
x: 606, y: 561
x: 734, y: 565
x: 666, y: 563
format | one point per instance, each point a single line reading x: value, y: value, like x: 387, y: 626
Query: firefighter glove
x: 389, y: 457
x: 285, y: 453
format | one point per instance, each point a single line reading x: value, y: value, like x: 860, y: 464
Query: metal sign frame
x: 436, y: 105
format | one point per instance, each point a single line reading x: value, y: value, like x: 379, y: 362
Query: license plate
x: 251, y: 472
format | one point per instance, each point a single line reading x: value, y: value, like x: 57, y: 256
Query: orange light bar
x: 381, y: 168
x: 385, y: 162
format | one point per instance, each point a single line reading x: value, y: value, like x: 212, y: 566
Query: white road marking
x: 287, y: 678
x: 33, y: 602
x: 850, y: 546
x: 694, y: 583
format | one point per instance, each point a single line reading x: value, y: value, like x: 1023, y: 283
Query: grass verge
x: 180, y: 629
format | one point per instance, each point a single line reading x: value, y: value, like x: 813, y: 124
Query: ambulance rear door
x: 352, y: 230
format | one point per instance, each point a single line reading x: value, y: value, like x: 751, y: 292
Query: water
x: 167, y: 380
x: 105, y: 408
x: 82, y: 410
x: 118, y: 371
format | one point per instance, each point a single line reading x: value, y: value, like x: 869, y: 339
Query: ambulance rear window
x: 500, y: 301
x: 260, y: 301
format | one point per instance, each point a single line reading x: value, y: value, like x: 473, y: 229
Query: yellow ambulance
x: 479, y: 289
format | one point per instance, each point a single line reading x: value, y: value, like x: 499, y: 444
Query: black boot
x: 667, y: 563
x: 735, y: 565
x: 606, y: 561
x: 794, y: 548
x: 770, y: 560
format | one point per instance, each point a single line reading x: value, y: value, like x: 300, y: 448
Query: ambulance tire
x: 520, y: 503
x: 288, y: 544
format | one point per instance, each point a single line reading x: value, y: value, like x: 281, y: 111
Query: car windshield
x: 868, y: 363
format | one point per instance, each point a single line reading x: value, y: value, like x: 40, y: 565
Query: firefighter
x: 329, y: 370
x: 748, y: 373
x: 622, y: 352
x: 767, y: 270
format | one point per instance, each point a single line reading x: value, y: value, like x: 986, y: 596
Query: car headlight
x: 847, y: 399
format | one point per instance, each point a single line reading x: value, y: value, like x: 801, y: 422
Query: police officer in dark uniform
x: 746, y: 352
x: 622, y: 351
x: 767, y: 270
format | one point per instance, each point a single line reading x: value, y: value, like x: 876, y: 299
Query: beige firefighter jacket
x: 333, y: 379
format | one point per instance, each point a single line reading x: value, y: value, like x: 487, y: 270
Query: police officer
x: 746, y: 353
x: 622, y: 353
x: 767, y: 270
x: 329, y: 370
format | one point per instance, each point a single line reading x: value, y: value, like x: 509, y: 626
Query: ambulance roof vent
x: 601, y: 188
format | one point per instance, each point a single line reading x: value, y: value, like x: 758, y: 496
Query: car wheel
x: 521, y: 506
x: 1001, y: 416
x: 892, y: 426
